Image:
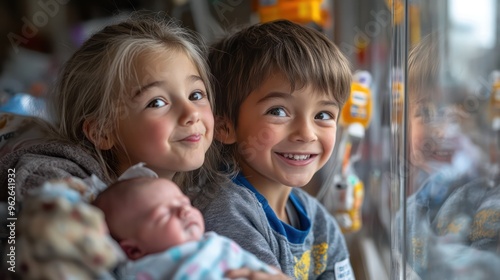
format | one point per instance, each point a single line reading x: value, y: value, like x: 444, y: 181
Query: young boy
x: 279, y: 89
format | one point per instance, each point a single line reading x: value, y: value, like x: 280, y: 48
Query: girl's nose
x: 189, y: 115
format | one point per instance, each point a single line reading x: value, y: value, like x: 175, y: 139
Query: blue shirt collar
x: 292, y: 234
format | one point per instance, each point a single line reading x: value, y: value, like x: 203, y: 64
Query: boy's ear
x: 131, y: 249
x: 224, y: 131
x: 102, y: 142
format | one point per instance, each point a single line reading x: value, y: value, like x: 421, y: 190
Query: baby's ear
x: 224, y: 130
x: 131, y: 249
x: 100, y: 140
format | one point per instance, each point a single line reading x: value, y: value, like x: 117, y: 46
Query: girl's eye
x: 280, y: 112
x: 324, y: 116
x: 156, y: 103
x: 197, y: 95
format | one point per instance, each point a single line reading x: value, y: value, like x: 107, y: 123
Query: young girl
x: 136, y: 91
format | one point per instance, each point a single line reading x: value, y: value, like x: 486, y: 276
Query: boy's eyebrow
x: 329, y: 103
x: 276, y: 94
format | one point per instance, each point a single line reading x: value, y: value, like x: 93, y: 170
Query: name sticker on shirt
x: 343, y: 270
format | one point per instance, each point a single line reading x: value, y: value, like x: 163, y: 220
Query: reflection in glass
x: 450, y: 213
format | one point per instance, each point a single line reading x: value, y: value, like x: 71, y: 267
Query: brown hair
x: 424, y: 62
x: 240, y: 63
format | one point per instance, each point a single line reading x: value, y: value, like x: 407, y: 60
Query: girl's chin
x: 191, y: 167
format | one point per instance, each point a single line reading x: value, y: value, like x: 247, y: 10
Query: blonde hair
x: 241, y: 62
x: 92, y: 84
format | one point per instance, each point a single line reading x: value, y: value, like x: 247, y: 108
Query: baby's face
x: 165, y: 217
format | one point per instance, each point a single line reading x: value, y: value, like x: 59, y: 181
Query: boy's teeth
x: 442, y: 153
x: 297, y: 157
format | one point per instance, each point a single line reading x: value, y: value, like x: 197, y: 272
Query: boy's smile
x: 297, y: 159
x: 285, y: 137
x: 436, y: 136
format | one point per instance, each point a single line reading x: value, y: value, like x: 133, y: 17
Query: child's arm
x: 249, y: 274
x: 39, y: 163
x: 325, y: 244
x: 235, y: 213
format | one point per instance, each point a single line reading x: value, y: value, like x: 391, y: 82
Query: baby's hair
x: 241, y: 62
x: 93, y: 83
x: 119, y: 189
x: 115, y: 197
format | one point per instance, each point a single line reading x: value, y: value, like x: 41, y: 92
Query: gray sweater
x: 41, y: 162
x: 315, y: 251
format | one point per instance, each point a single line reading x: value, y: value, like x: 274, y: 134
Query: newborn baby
x: 163, y: 235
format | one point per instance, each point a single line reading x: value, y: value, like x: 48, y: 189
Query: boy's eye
x: 197, y: 95
x: 280, y: 112
x: 324, y: 116
x: 426, y: 113
x: 156, y: 103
